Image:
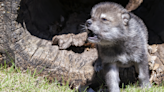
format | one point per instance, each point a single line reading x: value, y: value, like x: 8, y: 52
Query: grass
x: 13, y: 80
x: 134, y: 88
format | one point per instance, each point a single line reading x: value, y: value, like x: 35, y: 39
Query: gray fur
x: 121, y: 39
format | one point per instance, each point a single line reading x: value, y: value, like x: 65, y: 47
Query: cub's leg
x: 142, y: 69
x: 112, y: 77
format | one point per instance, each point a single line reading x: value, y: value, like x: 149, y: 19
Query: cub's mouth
x: 92, y: 36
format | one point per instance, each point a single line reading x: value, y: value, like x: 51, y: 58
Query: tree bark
x: 36, y: 54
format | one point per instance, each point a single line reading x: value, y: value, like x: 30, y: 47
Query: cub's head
x: 108, y: 23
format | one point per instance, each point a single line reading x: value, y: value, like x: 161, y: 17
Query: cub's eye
x: 104, y: 19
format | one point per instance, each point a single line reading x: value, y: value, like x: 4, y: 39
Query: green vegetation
x: 13, y: 80
x: 132, y: 88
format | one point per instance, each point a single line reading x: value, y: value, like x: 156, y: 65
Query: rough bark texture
x: 33, y: 53
x: 32, y: 49
x: 6, y: 54
x: 156, y: 63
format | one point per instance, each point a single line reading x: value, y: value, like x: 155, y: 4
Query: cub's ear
x: 125, y: 18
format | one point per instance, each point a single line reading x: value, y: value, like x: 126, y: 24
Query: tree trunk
x: 30, y: 52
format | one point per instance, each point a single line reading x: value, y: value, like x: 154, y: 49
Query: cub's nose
x: 88, y: 23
